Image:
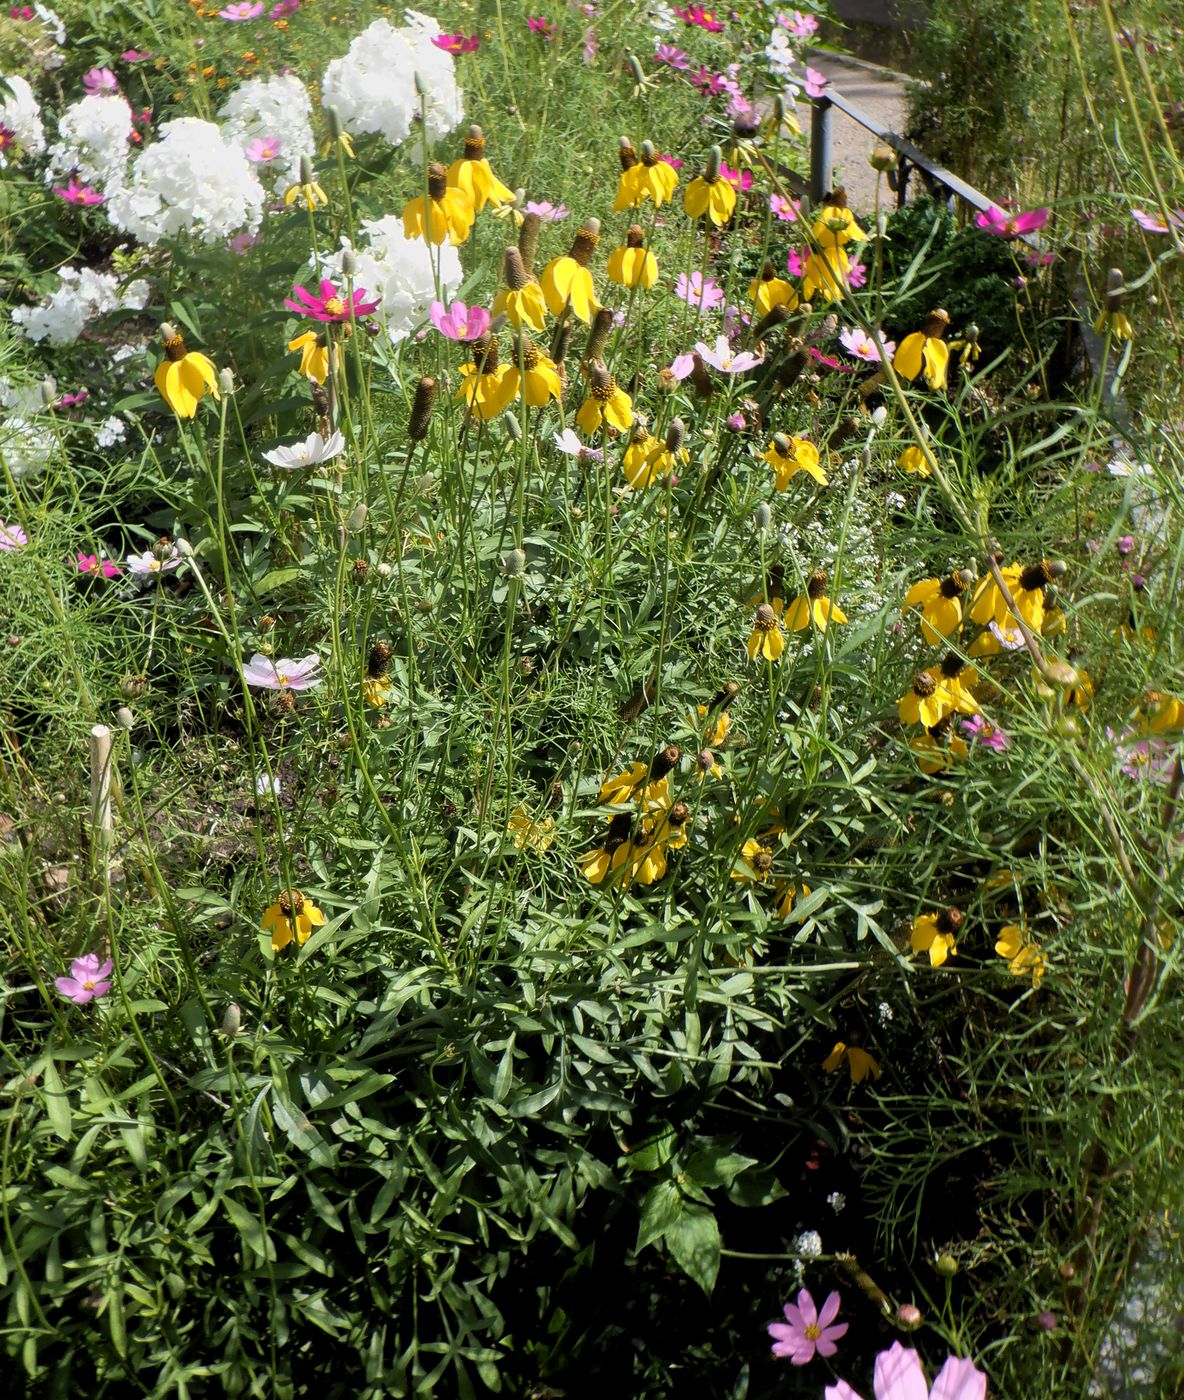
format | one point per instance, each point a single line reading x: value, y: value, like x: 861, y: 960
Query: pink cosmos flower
x: 862, y: 346
x: 20, y: 12
x: 100, y: 80
x: 806, y: 1330
x: 814, y: 82
x: 699, y: 17
x: 460, y: 322
x: 798, y: 24
x: 283, y: 9
x: 1124, y: 544
x: 829, y: 361
x: 672, y: 161
x: 284, y: 674
x: 7, y: 137
x: 570, y: 445
x: 722, y: 357
x: 73, y: 400
x: 457, y: 43
x: 856, y: 275
x: 89, y: 978
x: 1011, y: 225
x: 682, y: 365
x: 898, y: 1376
x: 1152, y: 224
x: 242, y: 10
x: 591, y: 45
x: 93, y: 564
x: 134, y: 55
x: 795, y: 263
x: 1009, y: 638
x: 239, y: 244
x: 1034, y: 258
x: 787, y: 210
x: 709, y: 84
x: 669, y: 54
x: 742, y: 179
x: 1149, y: 759
x: 330, y: 306
x: 698, y: 291
x: 989, y: 735
x: 541, y: 26
x: 263, y: 148
x: 12, y: 537
x: 549, y: 213
x: 74, y: 193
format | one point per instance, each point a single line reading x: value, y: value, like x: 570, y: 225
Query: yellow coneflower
x: 642, y: 448
x: 483, y: 381
x: 1026, y: 586
x: 786, y: 895
x: 925, y: 350
x: 940, y: 603
x: 814, y: 606
x: 522, y: 300
x: 769, y: 290
x: 607, y: 403
x: 835, y: 224
x: 1160, y: 714
x: 788, y: 456
x: 291, y: 916
x: 184, y: 377
x: 376, y: 690
x: 538, y: 378
x: 566, y: 280
x: 598, y: 864
x: 720, y: 725
x: 629, y: 195
x: 940, y: 746
x: 633, y: 266
x: 1113, y: 319
x: 937, y: 934
x: 710, y: 195
x: 306, y: 190
x: 528, y: 834
x: 826, y: 271
x: 445, y: 212
x: 655, y: 176
x: 648, y: 783
x: 314, y: 355
x: 968, y: 345
x: 660, y: 457
x: 914, y: 461
x: 473, y: 175
x: 767, y: 640
x: 1024, y: 958
x: 755, y: 863
x: 859, y: 1063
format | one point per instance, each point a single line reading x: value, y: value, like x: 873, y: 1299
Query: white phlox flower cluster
x: 92, y: 142
x: 81, y: 295
x: 191, y: 180
x: 25, y: 445
x: 399, y: 270
x: 21, y: 114
x: 783, y: 58
x: 110, y: 431
x: 276, y: 108
x: 373, y: 85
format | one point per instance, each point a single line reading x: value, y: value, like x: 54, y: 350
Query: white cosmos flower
x: 569, y: 444
x: 309, y: 453
x: 284, y: 674
x: 150, y: 563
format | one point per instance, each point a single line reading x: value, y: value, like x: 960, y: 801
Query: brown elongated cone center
x: 766, y: 618
x: 838, y: 198
x: 485, y: 355
x: 923, y: 685
x: 598, y: 334
x: 664, y: 762
x: 762, y: 862
x: 936, y: 324
x: 530, y: 356
x: 649, y: 156
x: 627, y: 154
x: 942, y: 727
x: 583, y: 245
x: 679, y: 814
x: 816, y: 584
x: 528, y: 240
x: 768, y: 272
x: 619, y: 831
x: 954, y: 586
x: 174, y: 347
x: 291, y: 902
x: 782, y: 445
x: 635, y: 238
x: 675, y: 435
x: 437, y: 181
x: 378, y: 662
x: 421, y: 409
x: 1036, y: 576
x: 950, y: 920
x: 951, y: 664
x: 474, y: 143
x: 514, y: 270
x: 599, y: 380
x: 724, y: 696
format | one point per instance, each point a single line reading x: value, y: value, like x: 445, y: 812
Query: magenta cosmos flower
x: 89, y: 978
x: 460, y: 322
x: 93, y: 564
x: 672, y: 55
x: 722, y: 357
x: 987, y: 734
x: 263, y: 148
x: 742, y: 179
x: 700, y: 291
x: 242, y: 11
x: 74, y: 193
x: 1151, y: 224
x: 1011, y: 225
x: 330, y: 305
x: 898, y: 1376
x: 12, y: 537
x: 787, y: 210
x: 457, y: 43
x: 806, y: 1330
x: 541, y: 26
x: 699, y: 17
x: 100, y: 80
x: 134, y: 55
x: 284, y: 674
x: 283, y: 9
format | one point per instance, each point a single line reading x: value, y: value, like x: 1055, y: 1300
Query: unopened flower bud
x: 764, y: 516
x: 226, y: 380
x: 184, y: 548
x: 422, y: 86
x: 333, y: 122
x: 124, y: 717
x: 306, y: 171
x: 676, y: 435
x: 49, y: 392
x: 714, y: 160
x: 232, y: 1020
x: 1047, y: 1320
x: 528, y: 241
x: 513, y: 428
x: 706, y: 761
x: 1115, y: 289
x: 882, y: 158
x: 514, y: 563
x: 357, y: 518
x: 602, y: 324
x: 879, y: 416
x: 349, y: 262
x: 908, y: 1315
x: 946, y: 1265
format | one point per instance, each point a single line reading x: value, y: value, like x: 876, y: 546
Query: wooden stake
x: 102, y: 823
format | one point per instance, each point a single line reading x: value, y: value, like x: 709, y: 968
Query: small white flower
x: 148, y: 563
x: 111, y: 431
x: 309, y: 453
x: 570, y: 445
x: 266, y: 786
x: 884, y: 1012
x: 808, y: 1244
x: 837, y: 1201
x: 1122, y: 466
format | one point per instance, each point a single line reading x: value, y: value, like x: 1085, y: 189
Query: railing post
x: 821, y: 171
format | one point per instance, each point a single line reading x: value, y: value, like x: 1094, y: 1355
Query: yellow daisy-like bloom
x: 710, y: 197
x: 826, y: 272
x: 314, y: 355
x: 566, y: 280
x: 599, y: 864
x: 937, y: 934
x: 713, y: 722
x: 629, y: 191
x: 859, y: 1062
x: 788, y: 456
x: 642, y: 449
x: 473, y: 176
x: 1024, y: 959
x: 767, y: 640
x: 835, y: 225
x: 538, y: 378
x: 939, y: 601
x: 926, y: 703
x: 939, y: 748
x: 306, y: 191
x: 484, y: 385
x: 607, y: 403
x: 641, y: 782
x: 376, y: 690
x: 522, y: 300
x: 633, y: 266
x: 1026, y: 586
x: 1118, y: 323
x: 184, y: 377
x: 657, y: 177
x: 813, y: 606
x: 768, y: 290
x: 444, y: 213
x: 1163, y: 714
x: 785, y: 898
x: 755, y: 863
x: 291, y: 916
x: 914, y: 461
x: 529, y: 834
x: 925, y: 351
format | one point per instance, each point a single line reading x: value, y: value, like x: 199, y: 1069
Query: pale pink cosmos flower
x: 12, y: 538
x: 862, y: 346
x: 856, y: 275
x: 814, y: 82
x: 1011, y: 225
x: 787, y: 210
x: 1147, y: 759
x: 1153, y: 224
x: 284, y: 674
x: 239, y: 244
x: 671, y: 55
x: 807, y: 1331
x: 74, y: 193
x: 242, y: 10
x: 1009, y: 638
x: 682, y: 365
x: 549, y: 213
x: 591, y: 45
x: 722, y: 357
x: 570, y: 445
x: 990, y: 736
x: 100, y: 80
x: 799, y: 25
x: 89, y: 977
x: 697, y: 290
x: 898, y: 1376
x: 151, y: 562
x: 460, y: 322
x: 263, y: 148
